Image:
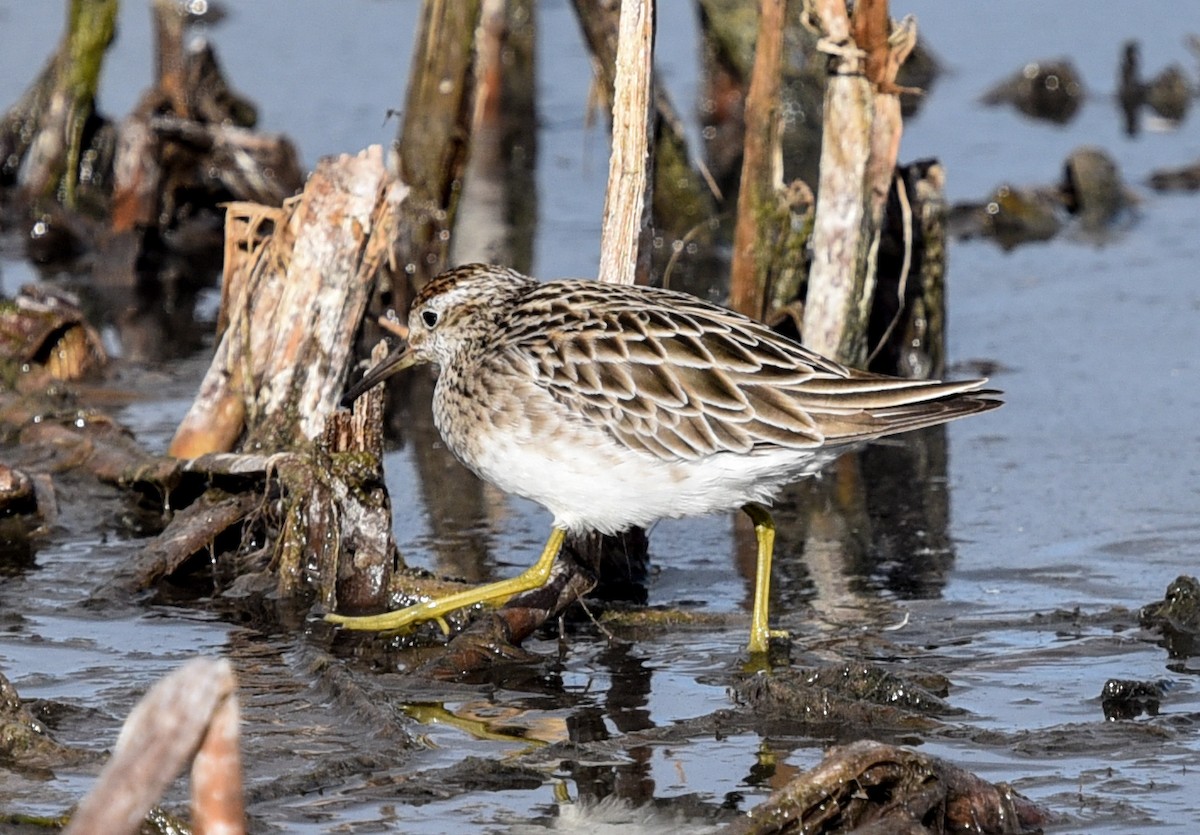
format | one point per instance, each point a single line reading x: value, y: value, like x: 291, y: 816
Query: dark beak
x: 398, y: 360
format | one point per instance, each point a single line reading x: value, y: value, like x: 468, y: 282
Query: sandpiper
x: 614, y: 406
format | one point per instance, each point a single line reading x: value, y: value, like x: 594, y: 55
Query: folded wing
x: 675, y: 377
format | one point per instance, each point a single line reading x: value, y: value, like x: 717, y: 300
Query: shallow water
x: 1080, y: 497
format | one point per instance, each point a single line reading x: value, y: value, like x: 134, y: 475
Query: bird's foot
x: 427, y: 610
x: 437, y: 609
x: 760, y: 640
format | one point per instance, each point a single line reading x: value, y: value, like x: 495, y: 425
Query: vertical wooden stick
x: 497, y: 204
x: 761, y: 163
x: 624, y: 249
x: 885, y: 51
x: 860, y: 142
x: 435, y: 137
x: 840, y: 285
x: 625, y: 236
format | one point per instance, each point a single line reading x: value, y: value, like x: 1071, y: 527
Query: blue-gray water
x: 1083, y: 491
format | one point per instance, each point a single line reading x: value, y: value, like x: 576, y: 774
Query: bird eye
x: 429, y: 317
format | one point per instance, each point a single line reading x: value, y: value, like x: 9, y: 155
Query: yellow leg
x: 496, y: 593
x: 764, y: 532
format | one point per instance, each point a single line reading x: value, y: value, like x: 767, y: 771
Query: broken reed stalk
x: 923, y: 336
x: 480, y: 232
x: 839, y: 286
x: 886, y: 49
x: 624, y: 259
x: 625, y: 236
x: 93, y: 24
x: 860, y: 139
x: 762, y: 174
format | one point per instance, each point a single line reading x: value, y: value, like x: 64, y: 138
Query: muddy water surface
x: 1007, y: 553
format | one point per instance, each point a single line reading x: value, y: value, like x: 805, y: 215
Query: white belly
x: 608, y: 488
x: 526, y: 444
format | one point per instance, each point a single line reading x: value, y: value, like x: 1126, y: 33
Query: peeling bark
x: 291, y: 305
x: 858, y: 155
x: 298, y: 280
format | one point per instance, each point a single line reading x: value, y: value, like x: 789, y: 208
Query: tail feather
x: 863, y: 416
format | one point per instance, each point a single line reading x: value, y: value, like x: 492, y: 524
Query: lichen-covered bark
x: 841, y: 279
x: 41, y: 136
x: 860, y: 140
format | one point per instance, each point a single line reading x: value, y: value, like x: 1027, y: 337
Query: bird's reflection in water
x: 626, y: 706
x: 874, y: 528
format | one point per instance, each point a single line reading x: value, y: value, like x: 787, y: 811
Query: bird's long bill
x: 394, y: 362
